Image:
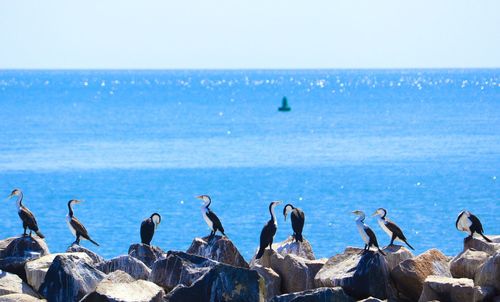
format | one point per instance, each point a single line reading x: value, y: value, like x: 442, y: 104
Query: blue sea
x: 424, y: 144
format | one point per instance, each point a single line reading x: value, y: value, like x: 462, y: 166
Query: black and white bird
x: 366, y: 233
x: 268, y: 231
x: 211, y: 219
x: 392, y: 229
x: 148, y: 227
x: 28, y: 219
x: 469, y: 223
x: 75, y: 226
x: 297, y: 216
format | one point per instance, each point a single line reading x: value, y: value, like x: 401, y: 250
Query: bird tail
x: 40, y: 234
x: 260, y: 253
x: 409, y: 245
x: 299, y: 237
x: 486, y: 238
x: 93, y: 241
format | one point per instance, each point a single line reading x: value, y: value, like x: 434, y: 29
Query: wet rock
x: 395, y: 254
x: 479, y: 244
x: 489, y: 274
x: 69, y: 278
x: 37, y: 269
x: 219, y: 249
x: 409, y: 275
x: 361, y: 275
x: 19, y: 298
x: 12, y: 284
x: 120, y: 287
x: 19, y: 250
x: 468, y: 263
x: 179, y: 268
x: 453, y: 290
x: 146, y: 253
x: 75, y: 248
x: 222, y: 283
x: 128, y: 264
x: 323, y: 294
x: 271, y: 279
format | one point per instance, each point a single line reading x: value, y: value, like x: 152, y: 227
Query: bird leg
x: 77, y: 241
x: 30, y: 233
x: 392, y: 240
x: 24, y: 233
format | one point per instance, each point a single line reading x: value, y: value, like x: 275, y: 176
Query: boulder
x: 4, y: 244
x: 289, y: 246
x: 297, y: 274
x: 322, y: 294
x: 19, y: 250
x: 271, y: 279
x: 128, y: 264
x: 453, y: 290
x: 146, y: 253
x: 219, y: 249
x: 409, y: 275
x: 120, y: 286
x: 222, y: 283
x: 395, y: 254
x: 468, y: 263
x: 75, y: 248
x: 12, y: 284
x: 371, y: 299
x: 479, y: 244
x: 69, y: 278
x: 19, y: 298
x: 37, y: 269
x: 179, y: 268
x: 360, y: 274
x: 489, y: 274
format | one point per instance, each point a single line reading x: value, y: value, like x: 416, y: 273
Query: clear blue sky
x: 249, y: 34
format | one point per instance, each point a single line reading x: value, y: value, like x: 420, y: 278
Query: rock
x: 489, y: 275
x: 322, y: 294
x: 19, y: 298
x: 12, y: 284
x: 371, y: 299
x: 37, y: 269
x: 75, y: 248
x: 289, y: 246
x: 222, y: 283
x: 219, y: 249
x: 361, y: 275
x: 467, y: 263
x: 146, y: 253
x: 453, y: 290
x: 69, y: 278
x: 128, y: 264
x: 19, y: 250
x: 297, y: 274
x: 395, y: 254
x: 119, y: 287
x: 271, y: 279
x: 179, y: 268
x: 409, y: 275
x: 4, y: 244
x: 479, y: 244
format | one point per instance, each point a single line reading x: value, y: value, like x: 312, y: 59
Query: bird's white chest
x: 209, y: 222
x: 381, y: 223
x: 464, y: 223
x: 362, y: 232
x: 68, y: 221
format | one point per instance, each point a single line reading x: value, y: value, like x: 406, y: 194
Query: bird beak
x: 199, y: 197
x: 375, y: 213
x: 9, y: 197
x: 355, y: 212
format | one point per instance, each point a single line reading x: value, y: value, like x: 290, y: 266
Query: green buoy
x: 284, y: 105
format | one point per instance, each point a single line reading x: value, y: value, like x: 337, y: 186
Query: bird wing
x: 79, y: 228
x: 297, y: 220
x: 216, y: 221
x: 475, y: 221
x: 395, y: 229
x: 28, y: 218
x: 371, y: 235
x: 458, y: 219
x: 147, y: 230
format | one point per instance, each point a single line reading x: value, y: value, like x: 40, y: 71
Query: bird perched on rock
x: 75, y: 226
x: 268, y: 231
x: 469, y: 223
x: 148, y: 227
x: 211, y: 219
x: 392, y: 229
x: 297, y: 216
x: 28, y: 219
x: 366, y: 233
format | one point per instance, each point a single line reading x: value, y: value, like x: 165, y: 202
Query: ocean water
x: 424, y: 144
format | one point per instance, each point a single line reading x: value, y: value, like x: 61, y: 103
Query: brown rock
x: 395, y: 254
x: 96, y: 259
x: 479, y: 244
x: 12, y: 284
x: 468, y: 263
x: 128, y: 264
x: 453, y: 290
x: 19, y: 298
x: 146, y: 253
x: 409, y: 275
x: 219, y: 248
x: 489, y: 275
x: 289, y: 246
x: 272, y: 281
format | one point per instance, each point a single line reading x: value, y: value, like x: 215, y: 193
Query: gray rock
x: 128, y: 264
x: 222, y: 283
x: 468, y: 263
x: 479, y: 244
x: 361, y: 275
x: 289, y: 246
x: 371, y: 299
x: 75, y: 248
x: 19, y: 298
x: 69, y: 278
x: 453, y: 290
x: 37, y: 269
x: 489, y: 275
x: 395, y: 254
x: 409, y: 275
x: 19, y: 250
x: 271, y: 279
x: 121, y: 287
x: 219, y: 248
x: 297, y: 274
x: 12, y: 284
x: 146, y: 253
x: 323, y: 294
x: 179, y: 268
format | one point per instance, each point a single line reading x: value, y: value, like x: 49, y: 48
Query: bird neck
x: 207, y: 204
x: 383, y: 216
x: 19, y: 201
x: 271, y: 211
x: 70, y: 210
x: 361, y: 219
